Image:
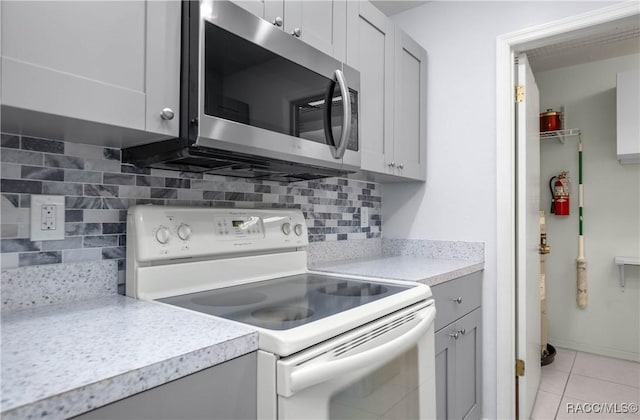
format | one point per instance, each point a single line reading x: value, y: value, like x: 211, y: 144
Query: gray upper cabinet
x: 370, y: 47
x: 627, y: 122
x: 410, y: 89
x: 162, y: 69
x: 393, y: 76
x: 320, y: 23
x: 255, y: 7
x: 79, y: 68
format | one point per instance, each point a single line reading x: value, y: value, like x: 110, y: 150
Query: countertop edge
x: 454, y: 274
x: 75, y: 401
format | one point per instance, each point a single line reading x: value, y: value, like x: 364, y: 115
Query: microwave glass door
x: 251, y: 85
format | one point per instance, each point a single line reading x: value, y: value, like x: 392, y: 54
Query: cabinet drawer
x: 457, y: 298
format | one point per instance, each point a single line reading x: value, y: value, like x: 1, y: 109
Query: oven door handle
x: 338, y: 151
x: 306, y: 376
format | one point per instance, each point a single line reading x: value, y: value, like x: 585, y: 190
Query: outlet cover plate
x: 42, y: 227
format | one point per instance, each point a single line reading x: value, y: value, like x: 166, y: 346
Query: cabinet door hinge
x: 519, y: 367
x: 519, y: 93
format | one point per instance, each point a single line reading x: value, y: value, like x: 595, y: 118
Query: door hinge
x: 519, y: 93
x: 519, y: 367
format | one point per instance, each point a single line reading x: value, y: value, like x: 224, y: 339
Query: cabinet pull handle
x: 391, y: 165
x: 454, y: 335
x: 401, y: 165
x: 462, y: 331
x: 167, y: 114
x: 458, y: 299
x: 296, y: 32
x: 277, y: 21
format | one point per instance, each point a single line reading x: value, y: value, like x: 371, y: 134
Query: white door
x: 527, y: 237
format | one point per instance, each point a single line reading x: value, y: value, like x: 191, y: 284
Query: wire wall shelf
x: 560, y: 134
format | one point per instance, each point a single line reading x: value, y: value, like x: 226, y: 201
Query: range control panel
x: 230, y: 227
x: 162, y: 233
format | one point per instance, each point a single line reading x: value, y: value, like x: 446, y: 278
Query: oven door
x: 266, y: 93
x: 385, y: 369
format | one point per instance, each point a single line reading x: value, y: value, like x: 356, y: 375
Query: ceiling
x: 392, y: 7
x: 600, y: 42
x: 609, y: 40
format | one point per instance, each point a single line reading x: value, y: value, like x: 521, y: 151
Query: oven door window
x: 251, y: 85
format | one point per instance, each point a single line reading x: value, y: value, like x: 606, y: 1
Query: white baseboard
x: 589, y: 348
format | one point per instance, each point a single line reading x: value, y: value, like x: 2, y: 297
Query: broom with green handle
x: 581, y: 263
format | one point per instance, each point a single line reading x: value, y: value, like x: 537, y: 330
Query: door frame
x: 507, y: 46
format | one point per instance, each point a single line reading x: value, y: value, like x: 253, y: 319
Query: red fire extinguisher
x: 560, y: 194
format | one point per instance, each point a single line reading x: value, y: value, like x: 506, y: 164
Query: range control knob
x: 298, y: 229
x: 286, y: 228
x: 162, y: 235
x: 184, y: 232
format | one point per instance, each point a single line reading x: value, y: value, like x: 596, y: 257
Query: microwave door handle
x: 338, y: 151
x: 328, y: 130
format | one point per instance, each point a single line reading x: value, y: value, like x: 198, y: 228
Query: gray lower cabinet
x: 458, y: 348
x: 225, y: 391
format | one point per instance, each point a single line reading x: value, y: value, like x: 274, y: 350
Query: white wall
x: 610, y: 324
x: 458, y: 201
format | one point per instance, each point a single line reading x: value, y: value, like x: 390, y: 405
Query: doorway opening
x: 586, y: 26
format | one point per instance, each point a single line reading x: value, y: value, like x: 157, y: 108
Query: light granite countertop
x: 430, y: 271
x: 59, y: 361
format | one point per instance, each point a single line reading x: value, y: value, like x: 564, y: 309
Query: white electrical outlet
x: 364, y: 217
x: 47, y: 217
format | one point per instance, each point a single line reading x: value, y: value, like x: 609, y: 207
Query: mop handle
x: 581, y: 264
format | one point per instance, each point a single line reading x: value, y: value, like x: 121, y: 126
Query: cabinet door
x: 445, y: 373
x: 627, y: 110
x: 225, y: 392
x: 163, y: 66
x: 83, y: 60
x: 468, y: 373
x: 255, y: 7
x: 370, y: 51
x: 410, y: 90
x: 322, y: 24
x: 273, y: 9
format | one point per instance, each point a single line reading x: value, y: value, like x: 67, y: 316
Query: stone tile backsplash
x: 98, y: 189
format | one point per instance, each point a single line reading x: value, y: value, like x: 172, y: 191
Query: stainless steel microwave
x: 258, y: 102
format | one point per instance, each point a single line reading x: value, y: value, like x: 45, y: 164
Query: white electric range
x: 330, y: 346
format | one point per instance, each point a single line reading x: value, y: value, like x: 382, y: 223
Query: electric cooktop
x: 286, y: 302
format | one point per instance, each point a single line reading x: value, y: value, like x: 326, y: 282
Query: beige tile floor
x: 576, y: 383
